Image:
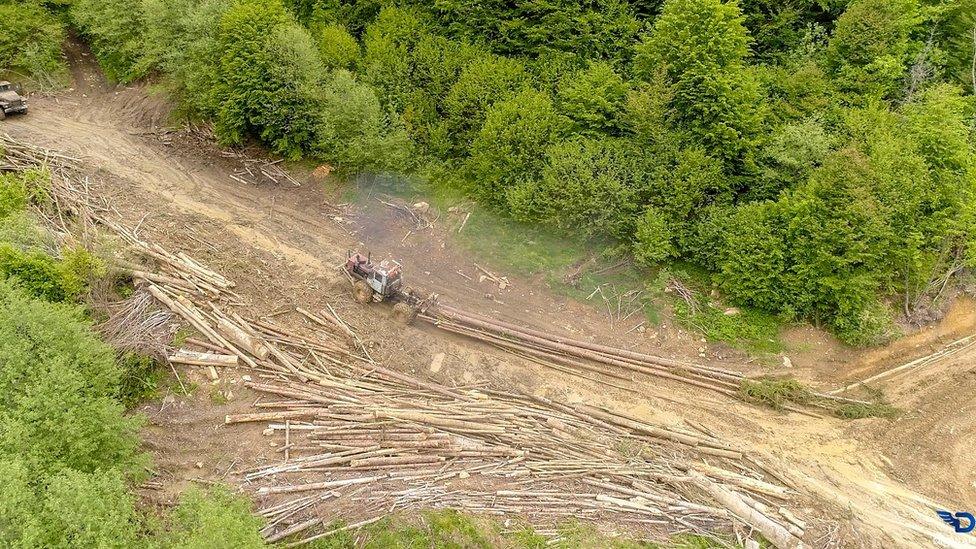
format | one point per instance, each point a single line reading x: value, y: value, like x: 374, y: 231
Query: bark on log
x: 243, y: 339
x: 775, y: 533
x: 184, y: 356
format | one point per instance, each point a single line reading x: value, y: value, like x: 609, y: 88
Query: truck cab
x: 11, y: 102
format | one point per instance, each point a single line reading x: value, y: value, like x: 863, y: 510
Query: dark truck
x: 11, y: 102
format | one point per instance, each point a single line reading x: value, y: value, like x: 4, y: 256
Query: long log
x: 602, y: 349
x: 184, y: 356
x: 774, y: 532
x: 711, y: 384
x: 317, y: 485
x: 237, y: 335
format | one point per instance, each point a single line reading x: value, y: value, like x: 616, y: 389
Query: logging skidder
x: 384, y: 282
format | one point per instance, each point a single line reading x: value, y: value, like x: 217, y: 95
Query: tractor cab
x: 386, y: 278
x: 383, y: 280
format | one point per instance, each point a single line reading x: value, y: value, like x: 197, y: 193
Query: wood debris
x: 365, y: 440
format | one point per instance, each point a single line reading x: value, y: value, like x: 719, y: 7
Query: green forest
x: 815, y: 157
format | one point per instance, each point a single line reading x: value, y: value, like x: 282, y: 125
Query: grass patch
x: 747, y: 329
x: 218, y: 397
x: 450, y: 529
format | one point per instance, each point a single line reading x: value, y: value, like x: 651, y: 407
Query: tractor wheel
x: 404, y: 314
x: 362, y: 292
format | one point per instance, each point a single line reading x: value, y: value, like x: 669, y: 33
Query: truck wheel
x: 404, y: 314
x: 362, y: 292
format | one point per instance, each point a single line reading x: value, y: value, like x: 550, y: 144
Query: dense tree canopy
x: 815, y: 156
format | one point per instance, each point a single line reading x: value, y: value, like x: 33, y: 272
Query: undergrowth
x: 449, y: 529
x: 742, y: 328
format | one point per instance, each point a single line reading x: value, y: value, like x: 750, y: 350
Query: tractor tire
x: 404, y: 314
x: 361, y: 292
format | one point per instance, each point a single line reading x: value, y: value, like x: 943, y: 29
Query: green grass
x: 450, y: 529
x: 750, y: 330
x: 218, y: 397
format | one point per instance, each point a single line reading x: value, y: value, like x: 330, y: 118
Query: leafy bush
x: 70, y: 508
x: 872, y: 44
x: 701, y: 47
x: 480, y: 84
x: 19, y: 189
x: 268, y: 77
x: 509, y: 148
x: 57, y: 388
x: 338, y: 48
x: 30, y: 42
x: 140, y: 380
x: 215, y: 518
x: 592, y: 187
x: 655, y: 241
x: 594, y: 98
x: 114, y: 30
x: 353, y: 130
x: 600, y: 29
x: 46, y: 277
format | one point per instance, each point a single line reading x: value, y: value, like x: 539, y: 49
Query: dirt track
x: 878, y: 481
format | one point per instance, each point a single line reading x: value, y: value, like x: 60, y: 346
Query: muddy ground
x: 871, y: 483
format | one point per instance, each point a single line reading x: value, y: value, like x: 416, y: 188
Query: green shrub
x: 598, y: 29
x: 114, y: 29
x: 484, y: 81
x: 57, y: 388
x: 338, y: 48
x: 655, y: 241
x: 268, y: 78
x: 587, y: 186
x: 67, y: 509
x: 215, y: 518
x: 43, y: 276
x: 354, y: 132
x: 17, y: 189
x: 872, y: 45
x: 594, y: 99
x: 700, y: 47
x: 140, y: 380
x: 510, y: 147
x: 22, y: 231
x: 30, y: 42
x: 13, y: 194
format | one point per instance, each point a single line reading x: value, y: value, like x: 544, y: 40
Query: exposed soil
x: 871, y: 483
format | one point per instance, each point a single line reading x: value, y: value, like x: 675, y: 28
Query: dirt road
x: 871, y: 483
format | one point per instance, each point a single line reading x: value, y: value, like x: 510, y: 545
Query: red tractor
x: 384, y: 282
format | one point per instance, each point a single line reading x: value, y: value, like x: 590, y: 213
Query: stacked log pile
x: 360, y: 440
